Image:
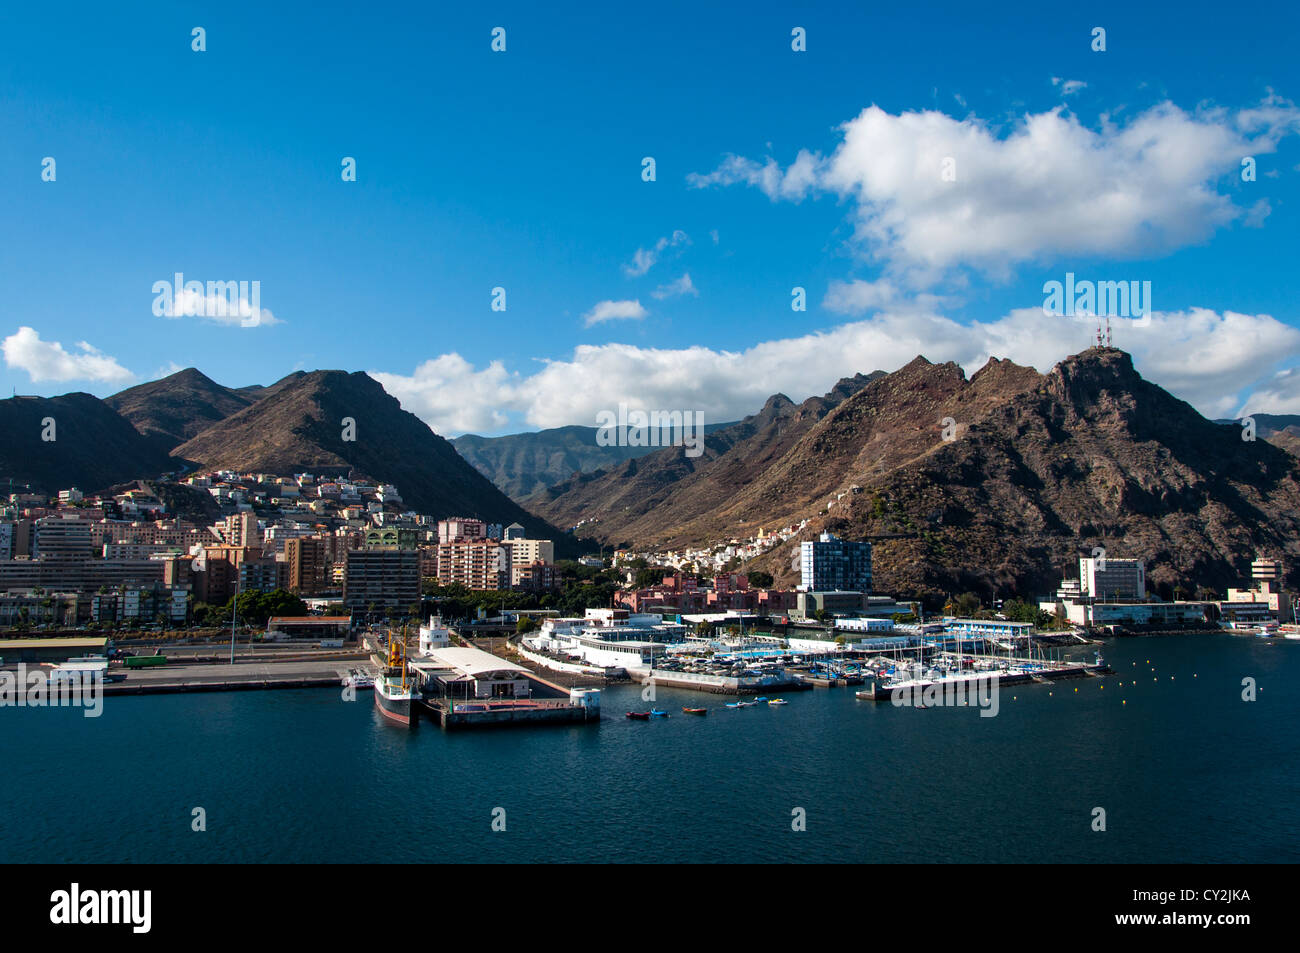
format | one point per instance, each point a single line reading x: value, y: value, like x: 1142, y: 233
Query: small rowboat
x: 695, y: 711
x: 733, y: 704
x: 639, y: 715
x: 658, y: 713
x: 778, y: 701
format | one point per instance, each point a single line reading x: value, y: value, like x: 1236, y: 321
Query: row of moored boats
x: 660, y: 713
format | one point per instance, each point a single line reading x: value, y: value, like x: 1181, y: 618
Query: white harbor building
x: 609, y: 638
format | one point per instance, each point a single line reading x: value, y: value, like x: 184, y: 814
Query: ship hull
x: 396, y: 709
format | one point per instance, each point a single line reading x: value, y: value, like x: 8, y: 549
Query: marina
x: 951, y: 674
x: 642, y: 647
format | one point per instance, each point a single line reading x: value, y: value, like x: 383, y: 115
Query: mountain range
x: 666, y: 498
x: 326, y: 422
x: 174, y: 409
x: 1282, y: 430
x: 73, y: 440
x: 523, y: 463
x: 994, y: 483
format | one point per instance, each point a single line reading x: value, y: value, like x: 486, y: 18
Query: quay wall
x: 545, y: 662
x: 232, y: 685
x: 567, y: 714
x: 716, y: 684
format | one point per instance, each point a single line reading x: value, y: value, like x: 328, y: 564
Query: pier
x: 464, y: 687
x: 1018, y: 672
x: 449, y: 713
x: 721, y: 684
x: 242, y: 676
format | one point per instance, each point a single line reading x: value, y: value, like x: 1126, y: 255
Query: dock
x: 173, y: 679
x: 479, y: 713
x: 721, y: 684
x: 877, y: 690
x: 466, y: 687
x: 837, y: 681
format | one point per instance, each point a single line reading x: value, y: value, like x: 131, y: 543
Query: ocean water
x: 1185, y: 770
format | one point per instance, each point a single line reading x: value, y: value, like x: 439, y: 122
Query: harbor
x: 648, y: 649
x: 872, y: 774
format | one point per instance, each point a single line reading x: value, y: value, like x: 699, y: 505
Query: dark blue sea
x: 1185, y: 770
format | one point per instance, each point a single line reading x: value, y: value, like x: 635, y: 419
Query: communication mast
x: 1103, y: 336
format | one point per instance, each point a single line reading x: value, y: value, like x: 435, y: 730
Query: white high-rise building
x: 830, y: 564
x: 1107, y: 579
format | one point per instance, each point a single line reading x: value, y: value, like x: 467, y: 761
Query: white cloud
x: 49, y: 361
x: 794, y: 183
x: 233, y: 306
x: 1202, y: 356
x: 615, y: 311
x: 1069, y: 86
x: 859, y: 297
x: 1207, y: 358
x: 1047, y: 188
x: 682, y: 286
x: 452, y: 397
x: 1279, y: 395
x: 647, y: 258
x: 855, y: 297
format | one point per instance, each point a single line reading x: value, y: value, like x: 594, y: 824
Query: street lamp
x: 234, y: 609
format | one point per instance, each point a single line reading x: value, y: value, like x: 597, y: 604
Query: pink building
x: 729, y: 592
x: 460, y: 528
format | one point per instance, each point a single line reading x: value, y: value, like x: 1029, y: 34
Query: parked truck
x: 144, y: 661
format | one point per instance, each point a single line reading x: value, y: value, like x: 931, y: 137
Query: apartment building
x: 461, y: 528
x: 536, y: 576
x: 476, y: 563
x: 526, y: 551
x: 308, y: 563
x: 393, y: 537
x: 263, y: 575
x: 216, y: 572
x: 59, y: 537
x: 831, y: 564
x: 384, y: 578
x: 241, y: 529
x: 79, y: 575
x: 1106, y: 579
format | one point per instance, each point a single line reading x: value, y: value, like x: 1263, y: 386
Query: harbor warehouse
x: 464, y: 672
x: 50, y: 650
x: 314, y: 627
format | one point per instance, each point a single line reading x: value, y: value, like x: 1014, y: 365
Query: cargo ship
x: 394, y: 689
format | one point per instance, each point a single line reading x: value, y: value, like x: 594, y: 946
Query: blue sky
x: 522, y: 170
